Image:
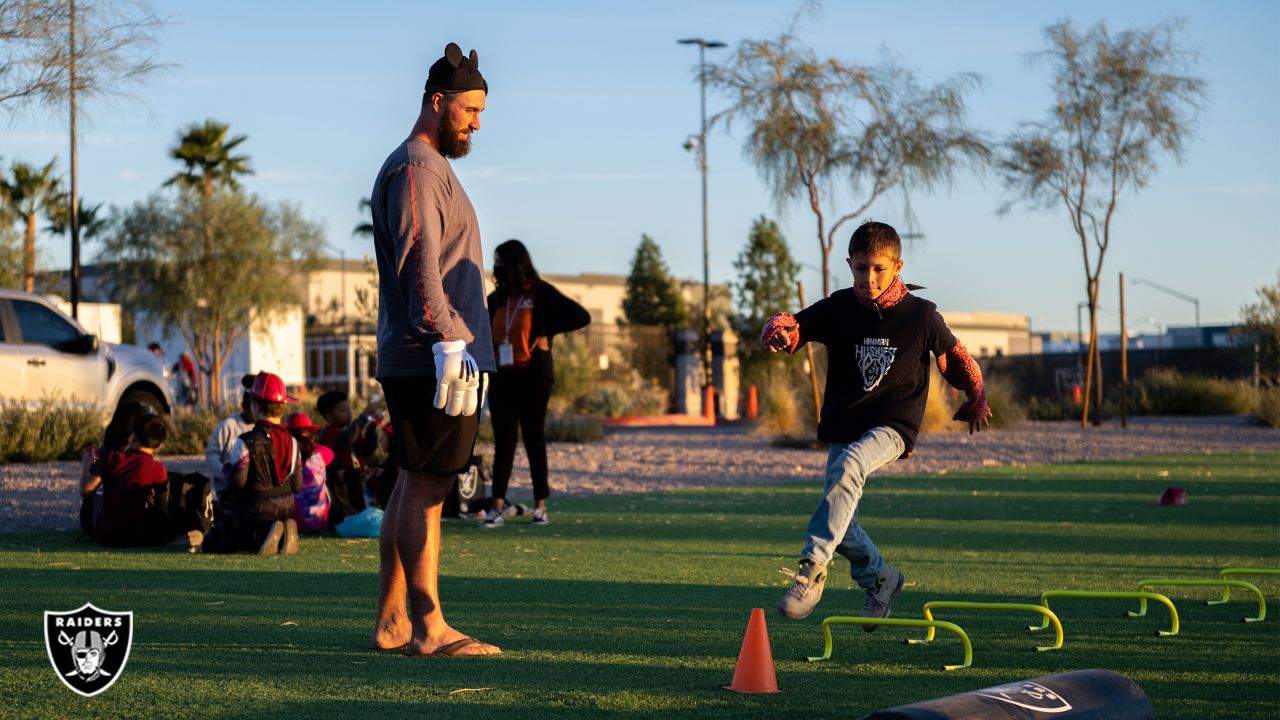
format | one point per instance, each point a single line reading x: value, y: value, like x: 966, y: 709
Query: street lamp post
x: 706, y: 253
x: 1175, y: 293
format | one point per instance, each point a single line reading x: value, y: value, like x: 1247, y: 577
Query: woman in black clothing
x: 525, y: 312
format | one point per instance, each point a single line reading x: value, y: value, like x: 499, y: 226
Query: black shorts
x: 426, y: 438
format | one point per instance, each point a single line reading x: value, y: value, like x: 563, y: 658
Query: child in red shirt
x: 133, y: 490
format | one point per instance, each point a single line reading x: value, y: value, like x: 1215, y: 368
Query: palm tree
x: 364, y: 228
x: 28, y: 190
x: 92, y: 219
x: 205, y: 152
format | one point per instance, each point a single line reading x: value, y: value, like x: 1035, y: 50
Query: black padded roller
x: 1094, y: 694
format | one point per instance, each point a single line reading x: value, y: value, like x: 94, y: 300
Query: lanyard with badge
x: 506, y: 353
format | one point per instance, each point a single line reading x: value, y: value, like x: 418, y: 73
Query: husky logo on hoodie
x: 874, y: 359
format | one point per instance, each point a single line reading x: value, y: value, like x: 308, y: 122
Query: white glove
x: 457, y: 378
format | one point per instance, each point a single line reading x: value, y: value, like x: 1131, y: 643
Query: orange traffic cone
x: 754, y: 673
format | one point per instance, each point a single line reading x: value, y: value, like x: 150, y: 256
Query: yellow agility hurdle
x: 1140, y: 595
x: 1226, y: 589
x: 1014, y: 607
x: 905, y: 622
x: 1262, y: 602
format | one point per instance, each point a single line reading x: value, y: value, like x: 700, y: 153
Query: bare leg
x: 417, y: 542
x: 391, y: 628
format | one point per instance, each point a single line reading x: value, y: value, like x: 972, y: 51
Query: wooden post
x: 1088, y: 364
x: 813, y: 366
x: 1124, y: 362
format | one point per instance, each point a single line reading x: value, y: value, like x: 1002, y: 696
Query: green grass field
x: 635, y: 606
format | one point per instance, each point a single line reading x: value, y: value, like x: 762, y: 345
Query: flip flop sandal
x: 399, y: 648
x: 447, y: 650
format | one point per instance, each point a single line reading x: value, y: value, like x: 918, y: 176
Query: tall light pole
x: 1175, y: 293
x: 75, y: 197
x: 702, y: 165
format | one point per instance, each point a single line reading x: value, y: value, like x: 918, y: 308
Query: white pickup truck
x: 45, y: 355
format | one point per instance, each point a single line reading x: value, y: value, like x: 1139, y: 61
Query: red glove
x: 781, y: 332
x: 973, y: 411
x: 959, y: 369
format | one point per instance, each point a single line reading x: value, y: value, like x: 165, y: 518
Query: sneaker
x: 540, y: 516
x: 493, y: 519
x: 289, y: 545
x: 271, y: 544
x: 880, y: 596
x: 805, y: 592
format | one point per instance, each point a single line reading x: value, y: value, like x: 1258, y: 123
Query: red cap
x: 270, y: 387
x: 300, y: 421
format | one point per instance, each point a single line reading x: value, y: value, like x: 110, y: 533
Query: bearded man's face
x: 460, y: 118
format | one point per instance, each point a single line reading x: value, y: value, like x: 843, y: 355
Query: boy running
x: 879, y: 337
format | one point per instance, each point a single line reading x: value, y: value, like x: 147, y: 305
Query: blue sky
x: 580, y: 150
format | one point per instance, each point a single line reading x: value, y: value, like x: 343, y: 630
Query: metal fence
x: 619, y: 349
x: 1057, y: 373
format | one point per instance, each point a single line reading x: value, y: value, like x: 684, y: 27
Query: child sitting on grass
x: 132, y: 490
x: 312, y: 501
x: 879, y: 337
x: 262, y: 477
x: 345, y: 435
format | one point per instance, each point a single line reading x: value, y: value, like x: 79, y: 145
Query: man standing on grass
x: 433, y: 346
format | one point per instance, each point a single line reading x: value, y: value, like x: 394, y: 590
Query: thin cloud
x: 1252, y: 189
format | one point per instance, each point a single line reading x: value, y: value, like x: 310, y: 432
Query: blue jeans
x: 834, y: 527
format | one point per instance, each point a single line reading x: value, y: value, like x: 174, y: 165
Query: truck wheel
x: 146, y: 397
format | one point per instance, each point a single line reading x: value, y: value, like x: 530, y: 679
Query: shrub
x: 1007, y: 409
x: 939, y: 407
x: 575, y: 371
x: 607, y: 400
x: 779, y: 409
x: 189, y: 430
x: 48, y: 431
x: 647, y: 398
x: 574, y: 428
x: 1051, y: 408
x: 1168, y: 392
x: 1269, y: 406
x: 568, y: 428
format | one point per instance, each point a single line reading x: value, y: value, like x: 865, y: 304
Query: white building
x: 274, y: 344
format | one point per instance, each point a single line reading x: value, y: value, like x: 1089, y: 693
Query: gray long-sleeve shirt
x: 430, y: 263
x: 218, y: 452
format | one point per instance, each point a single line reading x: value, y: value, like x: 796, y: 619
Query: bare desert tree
x: 114, y: 50
x: 1120, y: 101
x: 822, y: 129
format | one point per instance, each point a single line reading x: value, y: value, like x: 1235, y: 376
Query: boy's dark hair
x: 306, y: 443
x: 876, y: 238
x: 268, y: 408
x: 150, y: 430
x: 154, y: 346
x: 328, y: 401
x: 116, y: 436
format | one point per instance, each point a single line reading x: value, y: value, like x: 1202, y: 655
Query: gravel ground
x: 43, y: 496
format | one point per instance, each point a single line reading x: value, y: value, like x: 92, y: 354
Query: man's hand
x: 457, y: 378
